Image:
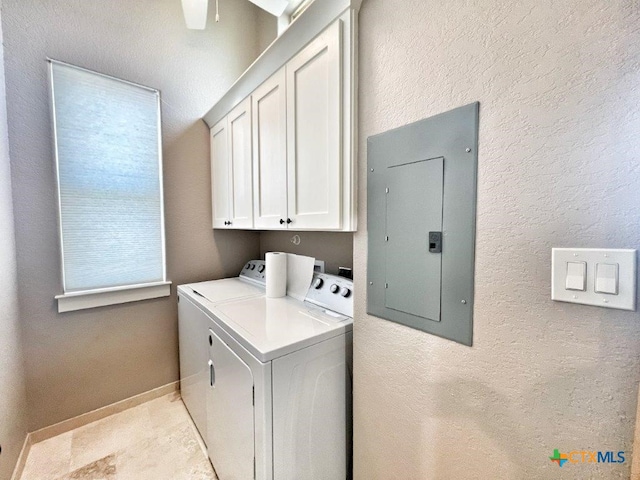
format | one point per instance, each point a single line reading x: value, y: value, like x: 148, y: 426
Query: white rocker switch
x: 606, y: 278
x: 576, y: 276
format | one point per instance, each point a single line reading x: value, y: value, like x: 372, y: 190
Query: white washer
x: 279, y: 396
x: 193, y: 331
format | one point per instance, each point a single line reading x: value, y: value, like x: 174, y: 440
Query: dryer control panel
x: 255, y: 270
x: 331, y: 292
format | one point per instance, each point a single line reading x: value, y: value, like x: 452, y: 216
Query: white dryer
x: 193, y: 332
x: 279, y: 386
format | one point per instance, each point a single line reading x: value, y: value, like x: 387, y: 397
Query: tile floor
x: 153, y: 441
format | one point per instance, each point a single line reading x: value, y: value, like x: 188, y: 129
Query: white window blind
x: 109, y: 167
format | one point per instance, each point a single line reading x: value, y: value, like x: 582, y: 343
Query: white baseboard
x: 22, y: 458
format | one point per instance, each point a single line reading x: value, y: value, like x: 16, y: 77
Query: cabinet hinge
x: 386, y: 238
x: 386, y: 190
x: 253, y: 396
x: 386, y: 285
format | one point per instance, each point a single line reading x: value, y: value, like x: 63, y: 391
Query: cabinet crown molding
x: 302, y: 30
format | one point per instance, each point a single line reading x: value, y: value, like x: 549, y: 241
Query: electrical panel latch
x: 435, y: 242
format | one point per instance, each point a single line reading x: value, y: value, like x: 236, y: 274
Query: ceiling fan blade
x: 274, y: 7
x: 195, y: 13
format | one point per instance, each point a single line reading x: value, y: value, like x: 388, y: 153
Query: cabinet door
x: 270, y: 153
x: 230, y: 423
x: 220, y: 174
x: 313, y: 133
x: 241, y: 195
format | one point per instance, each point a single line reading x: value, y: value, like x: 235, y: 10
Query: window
x: 109, y: 171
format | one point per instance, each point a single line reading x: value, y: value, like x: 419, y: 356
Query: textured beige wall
x: 558, y: 167
x: 335, y: 248
x: 80, y: 361
x: 267, y: 29
x: 635, y: 465
x: 13, y: 415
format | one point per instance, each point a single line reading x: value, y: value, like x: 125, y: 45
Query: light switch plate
x: 627, y: 277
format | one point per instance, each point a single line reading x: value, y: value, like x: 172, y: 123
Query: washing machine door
x: 230, y: 422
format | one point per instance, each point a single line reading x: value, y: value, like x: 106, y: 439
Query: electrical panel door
x: 414, y: 208
x: 421, y: 212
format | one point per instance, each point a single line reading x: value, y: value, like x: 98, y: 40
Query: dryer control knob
x: 261, y: 268
x: 253, y: 267
x: 345, y: 292
x: 247, y: 266
x: 318, y: 283
x: 334, y: 288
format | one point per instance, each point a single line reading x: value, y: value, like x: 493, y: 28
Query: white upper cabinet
x: 314, y: 166
x: 231, y: 169
x: 270, y: 153
x: 240, y: 166
x: 291, y: 145
x: 220, y: 174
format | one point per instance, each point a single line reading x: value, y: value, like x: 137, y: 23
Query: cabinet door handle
x: 281, y: 222
x: 289, y: 221
x: 212, y: 374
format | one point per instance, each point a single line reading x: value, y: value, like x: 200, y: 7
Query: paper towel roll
x: 276, y: 274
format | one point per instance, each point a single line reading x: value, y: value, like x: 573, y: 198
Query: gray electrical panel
x: 421, y: 196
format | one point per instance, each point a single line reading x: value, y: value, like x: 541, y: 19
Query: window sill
x: 70, y: 302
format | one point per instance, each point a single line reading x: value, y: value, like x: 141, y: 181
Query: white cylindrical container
x: 276, y: 263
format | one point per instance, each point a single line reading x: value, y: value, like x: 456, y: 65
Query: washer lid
x: 226, y: 289
x: 272, y: 327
